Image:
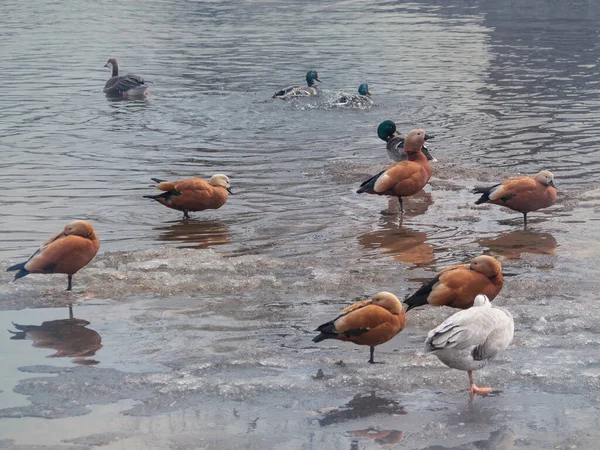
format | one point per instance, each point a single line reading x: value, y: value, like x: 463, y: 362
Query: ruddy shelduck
x: 404, y: 178
x: 368, y: 322
x: 193, y: 194
x: 522, y: 194
x: 457, y: 286
x: 468, y: 339
x: 67, y: 252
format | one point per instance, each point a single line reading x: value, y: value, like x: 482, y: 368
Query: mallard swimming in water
x: 362, y: 99
x: 395, y: 142
x: 300, y: 91
x: 124, y: 86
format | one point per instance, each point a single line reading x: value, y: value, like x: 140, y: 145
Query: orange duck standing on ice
x: 522, y: 194
x: 369, y: 322
x: 404, y: 178
x: 66, y: 252
x: 193, y: 194
x: 457, y: 286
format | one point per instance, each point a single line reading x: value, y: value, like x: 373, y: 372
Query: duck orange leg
x: 477, y: 390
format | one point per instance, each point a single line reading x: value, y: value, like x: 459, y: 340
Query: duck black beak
x: 106, y: 65
x: 429, y: 137
x: 428, y: 155
x: 551, y: 183
x: 229, y: 190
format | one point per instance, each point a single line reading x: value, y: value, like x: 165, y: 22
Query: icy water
x: 200, y: 331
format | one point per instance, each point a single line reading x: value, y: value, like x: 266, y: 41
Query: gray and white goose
x: 124, y: 86
x: 468, y: 339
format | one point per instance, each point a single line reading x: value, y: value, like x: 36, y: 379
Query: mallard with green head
x: 300, y: 91
x: 395, y: 142
x: 362, y: 99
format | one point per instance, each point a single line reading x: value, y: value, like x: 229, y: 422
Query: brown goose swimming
x: 124, y: 86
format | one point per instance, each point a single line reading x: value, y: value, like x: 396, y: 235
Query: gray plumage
x: 468, y: 339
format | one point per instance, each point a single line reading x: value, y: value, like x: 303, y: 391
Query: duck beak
x: 229, y: 190
x: 317, y: 79
x: 369, y: 92
x: 551, y: 183
x: 395, y: 133
x: 428, y: 155
x: 428, y: 137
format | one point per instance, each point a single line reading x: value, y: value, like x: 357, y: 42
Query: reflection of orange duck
x: 385, y: 438
x: 69, y: 337
x: 512, y: 245
x: 405, y: 244
x: 195, y: 234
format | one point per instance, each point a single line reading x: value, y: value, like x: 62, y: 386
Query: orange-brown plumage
x: 522, y: 194
x: 193, y: 194
x: 368, y: 322
x: 457, y: 286
x: 404, y: 178
x: 66, y: 252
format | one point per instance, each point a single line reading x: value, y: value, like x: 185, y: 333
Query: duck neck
x: 115, y: 70
x: 421, y: 159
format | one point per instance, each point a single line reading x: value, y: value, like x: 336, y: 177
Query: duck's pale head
x: 481, y: 300
x: 388, y: 301
x: 222, y: 181
x: 386, y: 130
x: 363, y: 89
x: 311, y: 77
x: 79, y: 228
x: 488, y: 266
x: 546, y: 178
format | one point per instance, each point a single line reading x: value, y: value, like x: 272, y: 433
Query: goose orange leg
x: 477, y: 390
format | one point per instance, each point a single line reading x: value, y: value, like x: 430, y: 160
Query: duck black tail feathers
x: 369, y: 185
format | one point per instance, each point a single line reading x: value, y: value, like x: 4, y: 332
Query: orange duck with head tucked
x: 457, y: 286
x: 522, y: 194
x: 369, y: 322
x: 66, y: 252
x: 404, y: 178
x: 193, y: 194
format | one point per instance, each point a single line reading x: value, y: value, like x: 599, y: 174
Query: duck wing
x: 120, y: 84
x: 487, y: 330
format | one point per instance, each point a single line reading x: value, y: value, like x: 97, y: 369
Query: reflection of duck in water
x: 69, y: 337
x: 195, y: 233
x: 385, y: 438
x: 502, y: 439
x: 405, y: 244
x: 511, y: 245
x: 361, y: 406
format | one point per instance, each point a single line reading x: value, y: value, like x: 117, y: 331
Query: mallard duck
x: 457, y: 286
x: 404, y: 178
x: 300, y: 91
x: 468, y: 339
x: 362, y: 99
x: 66, y: 252
x: 395, y: 142
x: 368, y: 322
x: 124, y: 86
x: 522, y: 194
x: 193, y: 194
